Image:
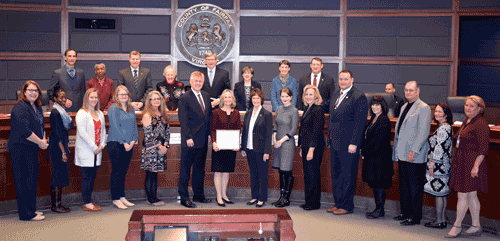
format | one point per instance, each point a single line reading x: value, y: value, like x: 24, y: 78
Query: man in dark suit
x: 194, y: 115
x: 137, y: 80
x: 71, y: 80
x: 348, y: 109
x: 323, y: 81
x: 396, y: 101
x: 410, y: 151
x: 216, y: 79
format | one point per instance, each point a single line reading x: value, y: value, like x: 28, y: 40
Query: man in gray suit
x: 137, y: 80
x: 71, y: 80
x: 410, y: 150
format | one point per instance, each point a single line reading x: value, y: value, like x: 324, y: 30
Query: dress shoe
x: 377, y: 213
x: 202, y: 200
x: 303, y: 206
x: 159, y: 203
x: 221, y: 204
x: 400, y: 217
x: 118, y: 204
x: 476, y: 234
x: 260, y: 205
x: 227, y: 201
x: 252, y: 202
x: 309, y: 208
x: 434, y: 224
x: 188, y: 204
x: 38, y: 217
x: 410, y: 222
x: 454, y: 236
x: 95, y: 208
x: 331, y: 210
x: 60, y: 209
x: 341, y: 211
x: 126, y: 202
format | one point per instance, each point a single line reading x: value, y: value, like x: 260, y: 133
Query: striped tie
x: 136, y: 79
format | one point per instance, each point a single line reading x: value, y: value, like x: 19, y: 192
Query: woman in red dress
x: 469, y: 168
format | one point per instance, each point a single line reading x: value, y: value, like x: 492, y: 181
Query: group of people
x: 425, y: 162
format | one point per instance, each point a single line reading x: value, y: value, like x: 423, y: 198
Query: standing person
x: 469, y: 168
x: 137, y: 79
x: 60, y: 123
x: 71, y: 80
x: 195, y: 113
x: 104, y: 85
x: 155, y: 144
x: 122, y: 137
x: 323, y: 81
x: 223, y: 161
x: 216, y: 79
x: 376, y: 150
x: 396, y: 101
x: 27, y: 136
x: 439, y: 163
x: 171, y: 89
x: 281, y: 81
x: 256, y: 137
x: 410, y: 151
x: 90, y: 141
x: 285, y: 128
x: 243, y: 89
x: 348, y: 109
x: 312, y: 146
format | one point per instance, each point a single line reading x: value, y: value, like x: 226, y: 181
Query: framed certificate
x: 228, y: 139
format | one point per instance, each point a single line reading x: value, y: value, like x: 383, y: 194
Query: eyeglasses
x: 155, y: 99
x: 32, y: 90
x: 123, y: 94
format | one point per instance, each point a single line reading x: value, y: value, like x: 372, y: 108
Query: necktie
x: 72, y: 73
x: 211, y: 77
x: 337, y: 102
x: 136, y: 78
x: 315, y: 82
x: 201, y: 103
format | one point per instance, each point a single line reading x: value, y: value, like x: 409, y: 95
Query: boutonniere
x: 347, y: 97
x: 260, y: 114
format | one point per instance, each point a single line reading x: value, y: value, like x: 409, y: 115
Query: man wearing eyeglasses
x: 216, y: 79
x: 71, y: 80
x: 137, y: 80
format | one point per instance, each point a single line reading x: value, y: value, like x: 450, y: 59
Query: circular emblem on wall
x: 204, y: 28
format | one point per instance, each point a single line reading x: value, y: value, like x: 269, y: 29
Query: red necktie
x: 336, y: 103
x: 201, y: 103
x: 315, y: 82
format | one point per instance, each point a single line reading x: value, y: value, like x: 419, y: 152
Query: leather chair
x: 386, y: 96
x: 456, y: 104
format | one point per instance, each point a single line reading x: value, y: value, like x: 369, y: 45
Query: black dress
x: 377, y: 152
x: 60, y: 169
x: 224, y: 160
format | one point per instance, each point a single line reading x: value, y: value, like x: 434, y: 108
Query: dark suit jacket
x: 59, y: 132
x: 396, y: 104
x: 239, y: 94
x: 221, y: 82
x: 311, y: 127
x: 195, y: 124
x: 326, y: 86
x: 262, y: 131
x: 60, y: 78
x: 23, y: 123
x: 346, y: 124
x: 140, y: 93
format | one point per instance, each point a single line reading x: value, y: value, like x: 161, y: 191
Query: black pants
x: 25, y: 168
x: 195, y: 157
x: 312, y: 176
x: 258, y: 174
x: 60, y: 169
x: 411, y: 188
x: 344, y: 169
x: 88, y: 178
x: 120, y: 161
x: 151, y: 186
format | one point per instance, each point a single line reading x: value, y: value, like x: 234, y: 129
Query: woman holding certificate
x: 223, y: 160
x: 256, y: 145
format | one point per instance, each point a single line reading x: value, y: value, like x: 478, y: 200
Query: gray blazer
x: 140, y: 93
x: 60, y: 78
x: 413, y: 134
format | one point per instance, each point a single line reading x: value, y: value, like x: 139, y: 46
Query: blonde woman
x: 121, y: 140
x: 90, y: 140
x: 155, y: 144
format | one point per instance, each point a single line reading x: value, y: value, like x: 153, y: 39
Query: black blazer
x: 195, y: 124
x: 145, y: 86
x: 221, y: 82
x: 59, y: 132
x: 239, y: 94
x: 24, y: 122
x: 311, y: 127
x: 377, y: 141
x: 396, y: 104
x: 262, y: 131
x: 326, y: 86
x: 60, y: 78
x: 346, y: 124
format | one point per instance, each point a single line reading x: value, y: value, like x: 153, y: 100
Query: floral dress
x: 158, y: 133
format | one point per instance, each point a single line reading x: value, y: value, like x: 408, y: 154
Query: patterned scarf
x: 64, y: 114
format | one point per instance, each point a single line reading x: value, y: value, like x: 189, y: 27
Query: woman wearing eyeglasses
x: 121, y: 139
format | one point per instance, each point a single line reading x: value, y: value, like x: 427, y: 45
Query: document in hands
x: 228, y: 139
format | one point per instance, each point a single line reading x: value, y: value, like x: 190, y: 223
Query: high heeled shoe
x: 252, y: 202
x: 227, y: 201
x: 476, y: 234
x: 221, y: 204
x: 260, y: 205
x: 455, y: 236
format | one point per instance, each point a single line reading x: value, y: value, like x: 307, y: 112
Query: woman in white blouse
x: 90, y: 140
